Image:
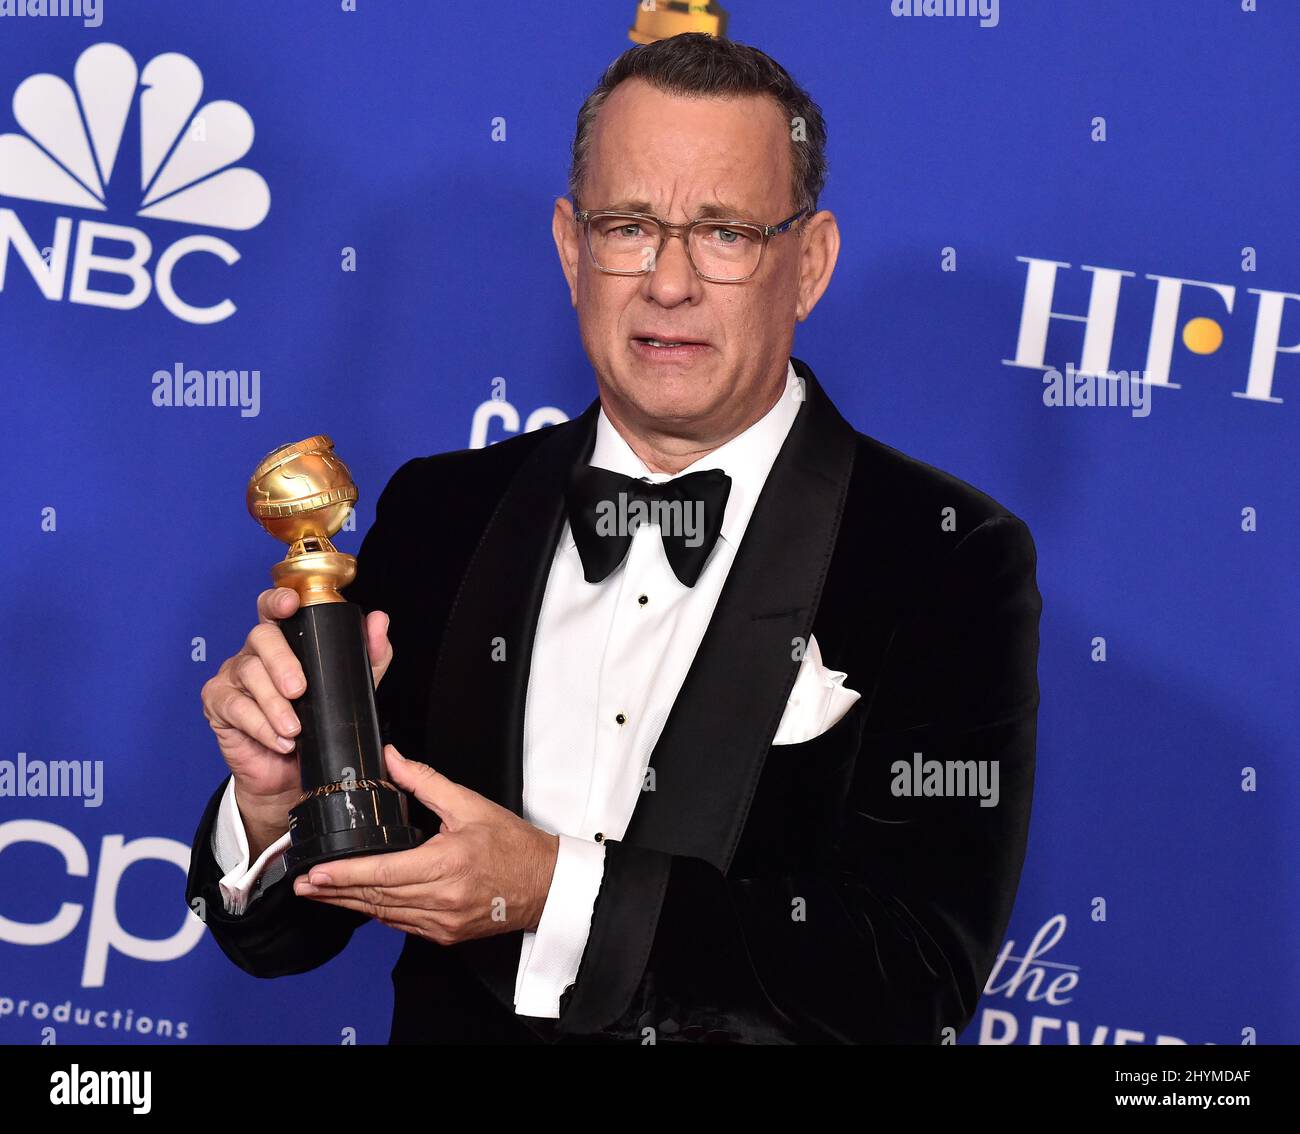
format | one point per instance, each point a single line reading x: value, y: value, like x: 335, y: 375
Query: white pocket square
x: 819, y: 699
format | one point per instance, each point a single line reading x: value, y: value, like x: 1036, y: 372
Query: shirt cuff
x: 242, y: 884
x: 550, y: 956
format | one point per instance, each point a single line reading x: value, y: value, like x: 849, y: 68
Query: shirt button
x: 600, y: 837
x: 621, y: 718
x: 643, y: 599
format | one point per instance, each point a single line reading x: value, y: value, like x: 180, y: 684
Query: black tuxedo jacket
x: 761, y: 894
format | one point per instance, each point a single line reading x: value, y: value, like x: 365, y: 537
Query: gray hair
x: 696, y: 63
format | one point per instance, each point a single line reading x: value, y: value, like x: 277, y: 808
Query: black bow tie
x: 605, y: 509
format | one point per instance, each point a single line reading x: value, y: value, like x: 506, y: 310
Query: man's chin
x: 633, y: 397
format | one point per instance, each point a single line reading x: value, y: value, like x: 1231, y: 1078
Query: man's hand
x: 486, y: 871
x: 247, y: 703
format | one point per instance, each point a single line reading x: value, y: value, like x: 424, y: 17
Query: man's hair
x: 698, y: 64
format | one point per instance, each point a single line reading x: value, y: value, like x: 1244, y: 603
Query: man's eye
x: 728, y: 237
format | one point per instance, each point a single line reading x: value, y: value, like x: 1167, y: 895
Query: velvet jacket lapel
x: 710, y: 755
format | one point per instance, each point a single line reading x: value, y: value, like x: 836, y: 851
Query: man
x: 673, y: 796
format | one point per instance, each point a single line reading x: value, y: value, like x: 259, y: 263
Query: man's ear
x: 819, y: 249
x: 568, y: 244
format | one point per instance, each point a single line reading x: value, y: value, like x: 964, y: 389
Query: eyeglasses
x: 720, y: 251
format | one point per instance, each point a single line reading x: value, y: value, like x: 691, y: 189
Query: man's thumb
x: 428, y: 786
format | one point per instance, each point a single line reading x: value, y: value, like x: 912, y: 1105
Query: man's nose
x: 672, y: 270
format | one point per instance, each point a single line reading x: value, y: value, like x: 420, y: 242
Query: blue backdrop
x: 383, y: 271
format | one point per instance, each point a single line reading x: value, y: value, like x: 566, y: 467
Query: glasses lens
x: 726, y: 251
x: 621, y: 243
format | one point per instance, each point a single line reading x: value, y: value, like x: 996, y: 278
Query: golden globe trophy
x: 301, y: 494
x: 663, y: 21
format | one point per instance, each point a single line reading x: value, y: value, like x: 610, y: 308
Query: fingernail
x: 317, y: 878
x: 295, y: 684
x: 284, y: 744
x: 302, y: 886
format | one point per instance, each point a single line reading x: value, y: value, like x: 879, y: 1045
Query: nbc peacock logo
x: 69, y: 152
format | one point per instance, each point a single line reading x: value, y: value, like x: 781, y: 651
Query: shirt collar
x: 747, y: 458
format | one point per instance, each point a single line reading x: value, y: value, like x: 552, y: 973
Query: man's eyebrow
x: 724, y: 211
x: 717, y: 211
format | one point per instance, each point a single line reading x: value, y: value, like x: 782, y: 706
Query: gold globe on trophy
x: 663, y: 19
x: 302, y: 494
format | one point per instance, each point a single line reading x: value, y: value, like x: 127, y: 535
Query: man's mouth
x: 651, y: 344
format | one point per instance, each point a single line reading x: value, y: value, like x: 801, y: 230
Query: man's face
x: 674, y: 156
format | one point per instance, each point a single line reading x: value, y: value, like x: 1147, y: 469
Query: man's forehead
x: 710, y: 157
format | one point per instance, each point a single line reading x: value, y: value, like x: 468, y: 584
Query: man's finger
x: 276, y: 603
x: 268, y: 642
x: 251, y: 673
x: 398, y: 868
x: 378, y: 646
x: 403, y: 913
x: 240, y: 711
x: 418, y: 895
x: 450, y: 801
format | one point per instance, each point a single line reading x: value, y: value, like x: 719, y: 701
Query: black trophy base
x: 347, y: 822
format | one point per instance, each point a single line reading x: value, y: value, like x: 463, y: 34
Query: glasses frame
x: 584, y: 217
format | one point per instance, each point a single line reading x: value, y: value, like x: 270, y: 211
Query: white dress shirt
x: 620, y: 646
